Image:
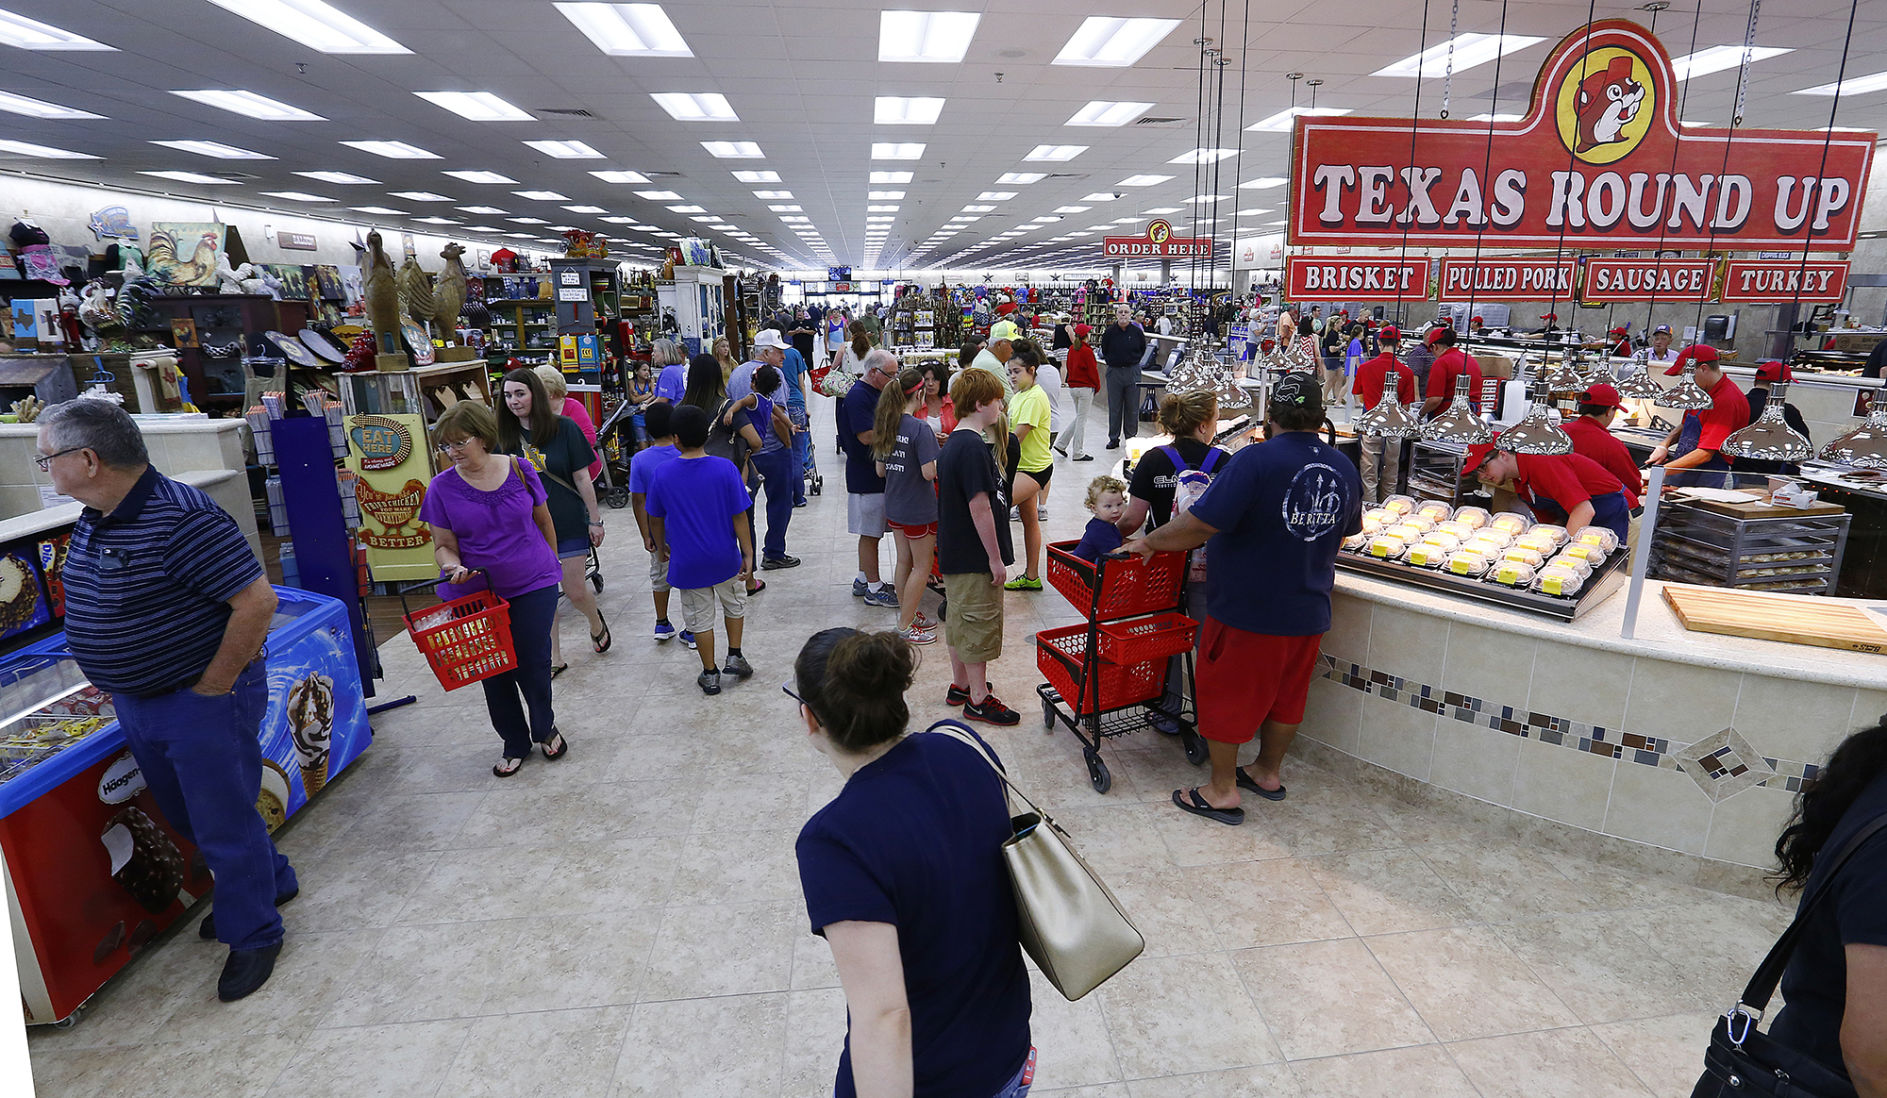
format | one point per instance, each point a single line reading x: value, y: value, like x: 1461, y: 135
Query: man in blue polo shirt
x: 167, y: 610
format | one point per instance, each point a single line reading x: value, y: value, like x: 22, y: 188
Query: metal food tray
x: 1711, y: 557
x: 1605, y: 579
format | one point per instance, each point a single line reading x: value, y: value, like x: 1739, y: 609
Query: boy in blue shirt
x: 658, y: 423
x: 697, y: 509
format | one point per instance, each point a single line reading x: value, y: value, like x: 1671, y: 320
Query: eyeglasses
x: 455, y: 447
x: 45, y: 461
x: 787, y: 689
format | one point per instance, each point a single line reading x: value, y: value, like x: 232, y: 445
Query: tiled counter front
x: 1681, y: 755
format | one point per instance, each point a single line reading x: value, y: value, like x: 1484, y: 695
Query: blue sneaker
x: 688, y: 639
x: 664, y: 631
x: 883, y: 596
x: 860, y: 589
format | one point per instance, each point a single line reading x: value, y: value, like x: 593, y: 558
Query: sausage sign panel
x: 1598, y: 161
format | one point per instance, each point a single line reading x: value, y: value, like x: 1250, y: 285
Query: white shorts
x: 865, y: 514
x: 698, y: 603
x: 658, y: 572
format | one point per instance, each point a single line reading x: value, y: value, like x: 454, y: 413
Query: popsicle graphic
x: 311, y: 725
x: 144, y: 860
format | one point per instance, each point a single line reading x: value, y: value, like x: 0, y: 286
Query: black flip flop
x: 1245, y: 781
x: 558, y: 669
x: 562, y: 749
x: 499, y: 771
x: 1189, y: 800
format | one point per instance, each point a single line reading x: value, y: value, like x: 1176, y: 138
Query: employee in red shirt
x: 1083, y: 379
x: 1570, y: 489
x: 1450, y: 362
x: 1591, y: 432
x: 1691, y: 452
x: 1382, y: 458
x: 1621, y: 342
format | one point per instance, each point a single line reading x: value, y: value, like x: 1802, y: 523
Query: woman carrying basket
x: 489, y: 512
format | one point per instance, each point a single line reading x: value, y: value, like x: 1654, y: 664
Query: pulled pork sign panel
x: 1598, y: 161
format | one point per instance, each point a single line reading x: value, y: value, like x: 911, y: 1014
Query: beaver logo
x: 1605, y: 105
x: 1159, y: 231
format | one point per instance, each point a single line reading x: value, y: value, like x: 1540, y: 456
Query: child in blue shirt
x: 1107, y: 498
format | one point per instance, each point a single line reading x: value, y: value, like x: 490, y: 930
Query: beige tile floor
x: 627, y: 923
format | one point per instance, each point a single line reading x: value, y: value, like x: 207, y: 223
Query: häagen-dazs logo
x: 1605, y: 105
x: 1315, y: 503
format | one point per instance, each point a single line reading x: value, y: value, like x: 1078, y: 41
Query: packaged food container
x: 1424, y: 555
x: 1420, y: 522
x: 1547, y: 529
x: 1401, y: 505
x: 1509, y: 523
x: 1539, y: 543
x: 1511, y: 573
x: 1376, y: 518
x: 1476, y: 517
x: 1591, y: 554
x: 1495, y: 540
x: 1532, y: 558
x: 1465, y: 562
x: 1599, y: 536
x: 1574, y: 563
x: 1407, y: 531
x: 1459, y: 529
x: 1555, y: 580
x: 1387, y: 547
x: 1435, y: 510
x: 1356, y: 541
x: 1448, y: 542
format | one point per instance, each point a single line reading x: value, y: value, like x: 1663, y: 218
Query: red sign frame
x: 1772, y: 281
x: 1597, y: 161
x: 1507, y: 279
x: 1353, y: 278
x: 1607, y: 281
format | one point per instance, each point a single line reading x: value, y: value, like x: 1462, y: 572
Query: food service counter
x: 1690, y: 742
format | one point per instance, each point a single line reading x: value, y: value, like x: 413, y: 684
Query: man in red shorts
x: 1275, y: 515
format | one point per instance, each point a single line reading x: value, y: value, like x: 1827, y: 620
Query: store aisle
x: 627, y: 922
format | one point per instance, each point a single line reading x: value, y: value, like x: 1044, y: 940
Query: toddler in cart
x: 1107, y: 499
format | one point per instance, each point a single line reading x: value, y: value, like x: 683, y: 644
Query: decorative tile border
x: 1721, y: 764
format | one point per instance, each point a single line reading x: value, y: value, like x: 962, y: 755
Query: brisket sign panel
x: 1598, y: 161
x: 1311, y: 277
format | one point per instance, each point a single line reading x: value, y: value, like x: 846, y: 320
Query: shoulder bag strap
x: 957, y: 730
x: 1213, y: 454
x: 1769, y: 974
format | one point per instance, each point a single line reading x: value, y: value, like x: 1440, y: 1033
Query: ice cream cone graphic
x: 311, y: 725
x: 272, y: 798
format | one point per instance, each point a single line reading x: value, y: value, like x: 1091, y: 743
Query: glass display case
x: 46, y: 705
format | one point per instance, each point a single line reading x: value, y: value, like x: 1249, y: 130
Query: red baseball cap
x: 1082, y: 330
x: 1619, y: 331
x: 1774, y: 371
x: 1601, y: 394
x: 1432, y: 334
x: 1475, y: 320
x: 1388, y: 333
x: 1477, y: 457
x: 1700, y: 353
x: 1550, y: 316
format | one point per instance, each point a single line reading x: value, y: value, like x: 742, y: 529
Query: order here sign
x: 1157, y: 242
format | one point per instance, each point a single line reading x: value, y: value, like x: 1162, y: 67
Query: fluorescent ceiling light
x: 392, y: 150
x: 490, y: 178
x: 627, y: 30
x: 688, y: 209
x: 1013, y: 178
x: 1481, y: 118
x: 27, y: 148
x: 1045, y: 219
x: 1099, y: 196
x: 586, y: 209
x: 420, y: 196
x: 884, y: 196
x: 1108, y: 42
x: 344, y: 179
x: 1468, y: 50
x: 891, y: 177
x: 1103, y: 112
x: 527, y: 221
x: 787, y: 208
x: 297, y: 196
x: 979, y: 209
x: 1072, y: 209
x: 213, y: 148
x: 642, y: 228
x: 1264, y: 183
x: 1855, y: 85
x: 436, y: 220
x: 620, y: 220
x: 1199, y: 199
x: 757, y: 177
x: 1124, y: 220
x: 767, y: 195
x: 733, y: 150
x: 1167, y: 210
x: 1055, y: 152
x: 897, y: 150
x: 792, y: 220
x: 380, y: 210
x: 704, y: 218
x: 566, y: 150
x: 962, y: 218
x: 696, y: 106
x: 252, y: 105
x: 1281, y: 121
x: 314, y: 24
x: 39, y: 108
x: 31, y: 34
x: 520, y: 236
x: 477, y: 106
x: 996, y: 196
x: 925, y: 36
x: 897, y: 110
x: 621, y: 177
x: 481, y: 209
x: 1203, y: 156
x: 659, y: 196
x: 886, y: 219
x: 181, y: 177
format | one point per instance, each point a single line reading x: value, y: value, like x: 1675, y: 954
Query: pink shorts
x: 1246, y: 679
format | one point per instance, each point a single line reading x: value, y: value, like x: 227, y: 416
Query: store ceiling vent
x: 566, y: 112
x: 1158, y: 121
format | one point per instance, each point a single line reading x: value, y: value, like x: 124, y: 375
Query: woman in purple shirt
x: 489, y: 513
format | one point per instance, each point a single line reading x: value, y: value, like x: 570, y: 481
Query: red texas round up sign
x: 1598, y: 161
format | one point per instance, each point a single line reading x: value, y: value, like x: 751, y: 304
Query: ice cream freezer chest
x: 93, y: 871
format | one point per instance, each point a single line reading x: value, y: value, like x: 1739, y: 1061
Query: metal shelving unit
x: 1798, y: 554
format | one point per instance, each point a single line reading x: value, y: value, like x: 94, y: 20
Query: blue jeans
x: 780, y: 480
x: 202, y: 759
x: 531, y: 615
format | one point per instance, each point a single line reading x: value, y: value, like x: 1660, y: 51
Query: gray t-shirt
x: 910, y: 500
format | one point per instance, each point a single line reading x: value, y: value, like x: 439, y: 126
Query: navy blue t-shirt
x: 915, y: 840
x: 856, y: 414
x: 1281, y: 509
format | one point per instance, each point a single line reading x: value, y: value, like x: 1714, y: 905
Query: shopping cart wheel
x: 72, y: 1019
x: 1048, y: 714
x: 1097, y: 772
x: 818, y: 484
x: 618, y: 498
x: 1196, y: 751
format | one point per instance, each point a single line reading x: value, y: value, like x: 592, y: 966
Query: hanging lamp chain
x: 1448, y: 73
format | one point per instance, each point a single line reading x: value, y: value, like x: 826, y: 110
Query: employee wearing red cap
x: 1621, y: 342
x: 1476, y: 326
x: 1382, y: 458
x: 1766, y: 375
x: 1570, y: 489
x: 1592, y: 436
x: 1690, y: 451
x: 1450, y: 363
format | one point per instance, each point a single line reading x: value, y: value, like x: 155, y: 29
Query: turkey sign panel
x: 1597, y: 161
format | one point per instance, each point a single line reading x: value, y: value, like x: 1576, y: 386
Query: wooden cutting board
x: 1791, y: 619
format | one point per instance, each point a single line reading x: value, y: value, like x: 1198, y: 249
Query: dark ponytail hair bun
x: 855, y: 683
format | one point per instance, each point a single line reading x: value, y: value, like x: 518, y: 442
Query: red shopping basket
x: 1151, y: 638
x: 1060, y: 654
x: 1128, y: 585
x: 467, y: 639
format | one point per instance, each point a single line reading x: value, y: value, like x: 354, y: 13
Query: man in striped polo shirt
x: 167, y: 609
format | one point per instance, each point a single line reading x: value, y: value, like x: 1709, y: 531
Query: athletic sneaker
x: 1042, y: 511
x: 860, y: 588
x: 1023, y: 583
x: 738, y: 667
x: 992, y: 711
x: 883, y: 596
x: 688, y: 639
x: 1084, y: 457
x: 960, y: 695
x: 913, y: 635
x: 710, y: 683
x: 664, y: 631
x: 768, y: 564
x: 920, y: 621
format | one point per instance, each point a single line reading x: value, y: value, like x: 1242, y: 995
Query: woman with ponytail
x: 906, y: 452
x: 904, y: 877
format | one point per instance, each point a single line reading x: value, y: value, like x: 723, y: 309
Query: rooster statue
x: 164, y: 264
x: 227, y: 280
x: 383, y: 297
x: 449, y: 295
x: 416, y: 299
